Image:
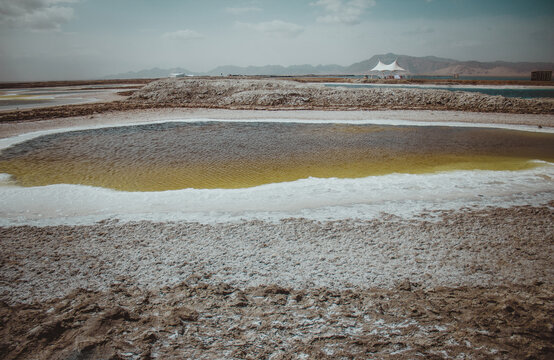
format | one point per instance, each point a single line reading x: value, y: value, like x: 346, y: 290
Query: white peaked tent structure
x: 379, y: 67
x: 392, y: 67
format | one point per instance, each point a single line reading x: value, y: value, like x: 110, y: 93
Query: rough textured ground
x: 272, y: 94
x: 201, y: 321
x: 493, y: 247
x: 243, y: 93
x: 473, y: 284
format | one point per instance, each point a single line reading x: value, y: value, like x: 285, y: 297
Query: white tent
x: 392, y: 67
x: 380, y: 67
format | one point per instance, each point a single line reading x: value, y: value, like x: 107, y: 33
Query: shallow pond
x: 207, y: 155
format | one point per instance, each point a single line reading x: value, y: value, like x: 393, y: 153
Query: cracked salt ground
x: 299, y: 253
x: 178, y: 290
x: 472, y: 283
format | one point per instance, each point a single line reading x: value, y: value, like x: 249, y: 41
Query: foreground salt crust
x: 462, y: 248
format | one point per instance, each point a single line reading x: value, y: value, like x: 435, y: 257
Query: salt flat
x: 456, y: 263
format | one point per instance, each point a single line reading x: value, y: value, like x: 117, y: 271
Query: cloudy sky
x: 72, y: 39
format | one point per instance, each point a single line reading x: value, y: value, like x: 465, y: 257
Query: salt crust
x: 489, y: 247
x: 9, y: 129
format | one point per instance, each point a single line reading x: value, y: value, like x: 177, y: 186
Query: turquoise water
x: 506, y: 92
x: 462, y: 77
x: 446, y: 77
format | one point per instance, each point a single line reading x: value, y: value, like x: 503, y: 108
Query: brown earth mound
x: 273, y: 94
x: 282, y: 94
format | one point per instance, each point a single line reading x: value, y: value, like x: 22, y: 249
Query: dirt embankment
x: 67, y: 111
x: 85, y: 83
x: 281, y: 94
x: 201, y: 321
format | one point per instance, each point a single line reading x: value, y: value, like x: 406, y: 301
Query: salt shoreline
x: 9, y: 129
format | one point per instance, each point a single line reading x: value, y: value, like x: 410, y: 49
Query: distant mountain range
x: 428, y: 65
x: 148, y: 74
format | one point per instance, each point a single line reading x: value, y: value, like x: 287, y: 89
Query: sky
x: 85, y: 39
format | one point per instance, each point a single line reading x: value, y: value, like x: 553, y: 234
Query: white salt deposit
x: 403, y: 195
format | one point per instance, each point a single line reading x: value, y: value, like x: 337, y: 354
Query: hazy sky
x: 69, y: 39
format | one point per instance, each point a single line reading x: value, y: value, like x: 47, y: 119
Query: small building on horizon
x: 541, y: 75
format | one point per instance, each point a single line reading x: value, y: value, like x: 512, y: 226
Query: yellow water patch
x: 18, y: 97
x: 207, y: 156
x: 242, y: 174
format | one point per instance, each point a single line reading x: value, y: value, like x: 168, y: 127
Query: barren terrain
x: 269, y: 94
x: 473, y: 284
x: 461, y: 283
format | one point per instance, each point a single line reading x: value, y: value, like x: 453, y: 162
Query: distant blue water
x: 449, y: 77
x: 462, y: 77
x: 506, y: 92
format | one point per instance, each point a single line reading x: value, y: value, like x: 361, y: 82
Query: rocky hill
x: 282, y: 94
